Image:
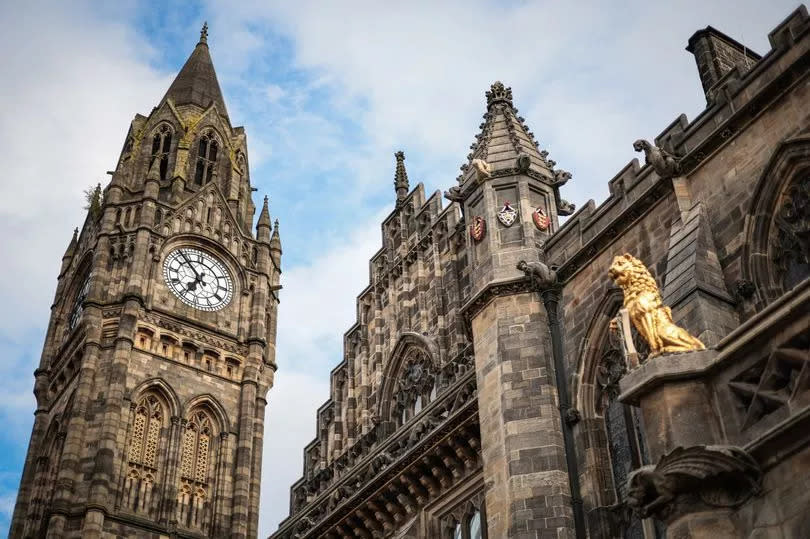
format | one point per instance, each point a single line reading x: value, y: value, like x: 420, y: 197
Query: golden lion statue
x: 651, y: 318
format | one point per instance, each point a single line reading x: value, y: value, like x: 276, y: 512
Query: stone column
x: 527, y: 488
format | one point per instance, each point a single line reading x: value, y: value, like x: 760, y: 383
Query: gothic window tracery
x: 626, y: 448
x: 144, y: 445
x: 416, y: 387
x: 161, y: 144
x: 791, y: 238
x: 206, y: 158
x: 466, y: 521
x: 195, y: 465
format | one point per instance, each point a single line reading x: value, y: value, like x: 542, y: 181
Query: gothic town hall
x: 638, y: 370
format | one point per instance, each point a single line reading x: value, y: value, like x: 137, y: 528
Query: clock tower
x: 160, y: 350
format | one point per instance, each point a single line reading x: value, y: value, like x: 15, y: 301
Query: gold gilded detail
x: 651, y: 318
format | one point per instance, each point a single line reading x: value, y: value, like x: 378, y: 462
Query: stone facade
x: 150, y: 410
x: 479, y: 399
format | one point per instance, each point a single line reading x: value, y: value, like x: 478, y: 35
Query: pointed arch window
x: 416, y: 387
x: 466, y: 521
x: 206, y: 158
x: 78, y: 304
x: 626, y: 448
x: 161, y: 143
x: 144, y: 447
x: 195, y: 463
x: 146, y: 432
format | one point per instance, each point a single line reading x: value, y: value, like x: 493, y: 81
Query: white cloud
x: 274, y: 92
x: 71, y: 82
x: 289, y: 426
x: 590, y: 77
x: 318, y: 299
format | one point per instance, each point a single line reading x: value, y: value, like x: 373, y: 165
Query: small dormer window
x: 161, y: 143
x: 206, y: 158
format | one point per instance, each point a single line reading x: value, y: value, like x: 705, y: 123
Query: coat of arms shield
x: 478, y: 228
x: 540, y: 219
x: 507, y: 215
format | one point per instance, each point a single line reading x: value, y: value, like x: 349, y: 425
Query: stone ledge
x: 670, y: 367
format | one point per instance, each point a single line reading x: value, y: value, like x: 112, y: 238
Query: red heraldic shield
x: 540, y: 219
x: 478, y: 228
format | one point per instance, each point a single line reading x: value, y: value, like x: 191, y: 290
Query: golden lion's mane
x: 640, y: 280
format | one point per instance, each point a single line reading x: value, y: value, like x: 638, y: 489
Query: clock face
x: 198, y: 279
x: 78, y: 304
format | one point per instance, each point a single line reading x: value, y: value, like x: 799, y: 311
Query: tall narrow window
x: 206, y: 158
x: 147, y: 422
x: 466, y: 521
x: 161, y: 143
x: 194, y: 471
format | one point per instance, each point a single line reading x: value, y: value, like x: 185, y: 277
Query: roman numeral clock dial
x: 198, y: 279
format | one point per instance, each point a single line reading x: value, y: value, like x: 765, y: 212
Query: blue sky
x: 327, y: 92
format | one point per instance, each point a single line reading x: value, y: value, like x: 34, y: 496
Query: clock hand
x: 190, y: 265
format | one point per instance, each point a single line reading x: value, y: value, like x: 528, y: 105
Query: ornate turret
x: 401, y: 177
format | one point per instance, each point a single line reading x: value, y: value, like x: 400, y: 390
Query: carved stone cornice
x: 491, y: 291
x: 198, y: 335
x: 366, y: 482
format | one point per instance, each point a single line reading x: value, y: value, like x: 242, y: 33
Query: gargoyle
x: 565, y: 208
x: 663, y: 162
x: 720, y: 475
x: 454, y: 194
x: 561, y: 177
x: 482, y: 169
x: 541, y: 275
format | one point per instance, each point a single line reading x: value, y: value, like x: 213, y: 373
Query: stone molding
x: 664, y: 368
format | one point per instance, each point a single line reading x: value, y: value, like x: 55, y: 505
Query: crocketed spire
x: 505, y: 141
x: 197, y: 83
x: 401, y: 177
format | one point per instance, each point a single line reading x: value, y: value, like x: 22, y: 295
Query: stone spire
x: 263, y: 224
x: 505, y: 130
x: 197, y: 83
x: 401, y: 177
x: 204, y: 33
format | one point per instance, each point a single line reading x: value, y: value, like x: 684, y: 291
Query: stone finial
x: 264, y: 216
x: 499, y: 94
x: 401, y: 176
x: 71, y: 248
x: 651, y: 318
x: 275, y: 241
x: 204, y: 33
